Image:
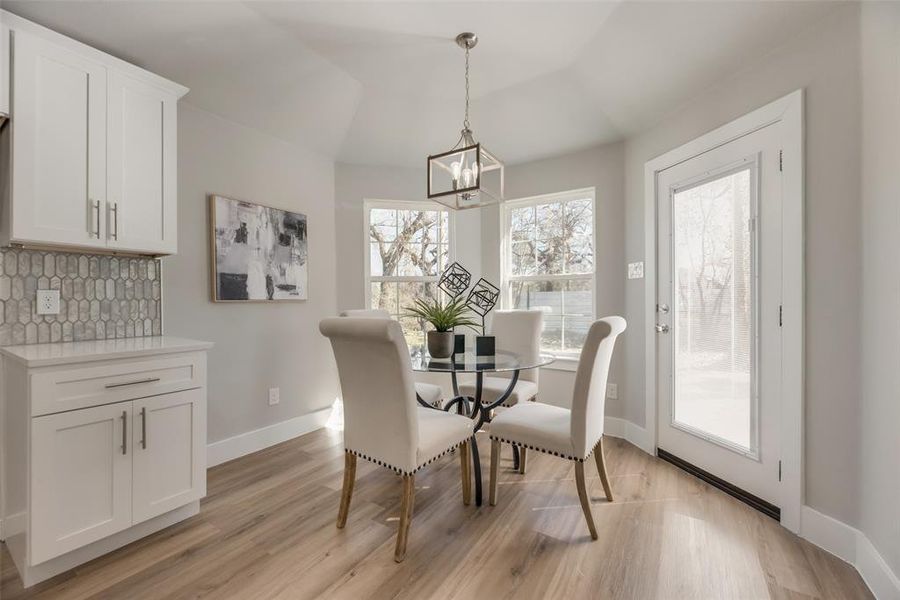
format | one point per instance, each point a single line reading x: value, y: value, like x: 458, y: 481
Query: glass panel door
x: 713, y: 276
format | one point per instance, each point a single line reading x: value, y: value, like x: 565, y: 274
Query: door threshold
x: 766, y: 508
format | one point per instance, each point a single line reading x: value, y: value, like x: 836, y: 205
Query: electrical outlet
x: 636, y: 270
x: 612, y: 391
x: 274, y: 396
x: 48, y: 302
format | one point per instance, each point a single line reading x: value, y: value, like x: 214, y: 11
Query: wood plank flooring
x: 267, y: 530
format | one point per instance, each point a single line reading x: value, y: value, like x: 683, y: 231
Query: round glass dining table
x: 504, y: 363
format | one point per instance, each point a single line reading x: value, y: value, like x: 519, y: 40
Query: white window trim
x: 564, y: 361
x: 368, y: 205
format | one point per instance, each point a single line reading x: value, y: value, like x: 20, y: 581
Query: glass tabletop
x: 469, y: 363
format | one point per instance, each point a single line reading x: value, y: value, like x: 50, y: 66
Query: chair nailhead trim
x: 398, y: 470
x: 544, y: 450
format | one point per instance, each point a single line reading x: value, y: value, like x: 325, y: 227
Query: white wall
x: 257, y: 345
x: 824, y: 60
x: 879, y: 484
x: 601, y: 167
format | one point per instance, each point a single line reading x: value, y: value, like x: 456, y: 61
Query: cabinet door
x: 59, y: 144
x: 80, y: 478
x: 169, y: 452
x: 142, y: 190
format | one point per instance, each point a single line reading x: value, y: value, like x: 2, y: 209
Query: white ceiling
x: 382, y: 82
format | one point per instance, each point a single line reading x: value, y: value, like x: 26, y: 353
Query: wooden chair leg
x: 464, y: 467
x: 495, y: 468
x: 407, y: 498
x: 523, y: 452
x: 585, y: 499
x: 347, y: 490
x: 601, y: 468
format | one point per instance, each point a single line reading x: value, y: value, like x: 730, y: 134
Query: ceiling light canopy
x: 466, y: 176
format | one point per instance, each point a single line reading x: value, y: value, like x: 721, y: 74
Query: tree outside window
x: 549, y: 265
x: 409, y: 246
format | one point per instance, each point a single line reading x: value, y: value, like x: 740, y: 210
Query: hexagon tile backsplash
x: 100, y: 297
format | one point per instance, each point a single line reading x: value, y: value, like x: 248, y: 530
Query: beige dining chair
x: 383, y: 423
x: 570, y: 434
x: 428, y: 392
x: 516, y: 331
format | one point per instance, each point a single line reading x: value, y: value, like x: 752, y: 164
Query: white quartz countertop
x: 63, y: 353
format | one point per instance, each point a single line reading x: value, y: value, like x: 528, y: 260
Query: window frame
x: 368, y: 205
x: 566, y: 360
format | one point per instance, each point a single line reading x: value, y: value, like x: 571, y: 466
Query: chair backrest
x: 380, y: 419
x: 519, y: 331
x: 589, y: 397
x: 369, y: 313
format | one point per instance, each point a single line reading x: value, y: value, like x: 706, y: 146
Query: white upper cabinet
x: 93, y: 148
x: 142, y: 179
x: 58, y: 145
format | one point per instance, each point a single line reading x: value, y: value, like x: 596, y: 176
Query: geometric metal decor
x: 483, y: 298
x: 455, y: 280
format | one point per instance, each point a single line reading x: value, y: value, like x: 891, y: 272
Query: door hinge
x: 781, y: 315
x: 781, y: 160
x: 779, y: 470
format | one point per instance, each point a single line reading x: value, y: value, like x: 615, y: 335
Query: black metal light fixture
x: 466, y: 176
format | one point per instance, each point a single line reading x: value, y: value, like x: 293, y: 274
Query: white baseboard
x: 852, y: 546
x: 253, y: 441
x: 12, y: 525
x: 625, y: 429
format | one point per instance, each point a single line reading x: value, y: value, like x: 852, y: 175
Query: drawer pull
x: 148, y: 380
x: 124, y: 432
x: 144, y: 427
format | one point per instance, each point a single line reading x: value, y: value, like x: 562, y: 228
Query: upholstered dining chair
x: 516, y: 331
x: 570, y: 434
x: 383, y: 423
x: 430, y: 393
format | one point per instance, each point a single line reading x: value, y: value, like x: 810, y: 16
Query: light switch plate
x: 48, y: 302
x: 274, y: 396
x: 636, y: 270
x: 612, y: 391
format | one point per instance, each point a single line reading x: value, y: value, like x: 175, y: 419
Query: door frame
x: 787, y: 110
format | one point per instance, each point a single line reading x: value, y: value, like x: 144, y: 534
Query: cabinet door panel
x: 142, y: 179
x: 80, y: 478
x: 59, y: 143
x: 169, y: 452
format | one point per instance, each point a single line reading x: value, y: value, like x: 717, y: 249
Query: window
x: 409, y: 245
x: 549, y: 265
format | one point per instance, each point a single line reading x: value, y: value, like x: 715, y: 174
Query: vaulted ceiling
x: 381, y: 83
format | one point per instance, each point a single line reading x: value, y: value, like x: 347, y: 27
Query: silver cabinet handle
x: 116, y: 385
x: 124, y: 432
x: 144, y: 427
x: 662, y: 328
x: 95, y: 207
x: 115, y: 214
x: 663, y: 308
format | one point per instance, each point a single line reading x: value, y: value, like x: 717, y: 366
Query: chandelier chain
x: 466, y: 119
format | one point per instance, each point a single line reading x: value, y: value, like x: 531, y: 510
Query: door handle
x: 144, y: 427
x: 124, y: 432
x: 662, y: 328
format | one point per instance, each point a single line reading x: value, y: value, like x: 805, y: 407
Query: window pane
x: 551, y: 336
x: 549, y: 220
x: 383, y: 224
x: 405, y: 242
x: 579, y: 296
x: 376, y: 266
x: 384, y: 296
x: 413, y: 331
x: 409, y: 291
x: 579, y: 255
x: 550, y: 255
x: 579, y: 218
x: 713, y: 324
x: 522, y: 224
x: 575, y: 331
x: 523, y: 261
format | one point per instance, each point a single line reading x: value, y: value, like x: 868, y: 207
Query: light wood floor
x: 267, y: 530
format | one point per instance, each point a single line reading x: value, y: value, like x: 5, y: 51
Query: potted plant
x: 443, y: 317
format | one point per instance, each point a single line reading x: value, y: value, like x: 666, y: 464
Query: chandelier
x: 467, y: 176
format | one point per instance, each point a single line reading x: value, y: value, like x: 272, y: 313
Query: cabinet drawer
x: 68, y: 388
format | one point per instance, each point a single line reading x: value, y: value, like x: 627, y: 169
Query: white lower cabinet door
x: 169, y: 452
x: 81, y: 485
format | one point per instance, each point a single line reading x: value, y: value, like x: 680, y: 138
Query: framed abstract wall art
x: 258, y: 253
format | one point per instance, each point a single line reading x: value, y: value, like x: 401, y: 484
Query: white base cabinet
x: 109, y: 445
